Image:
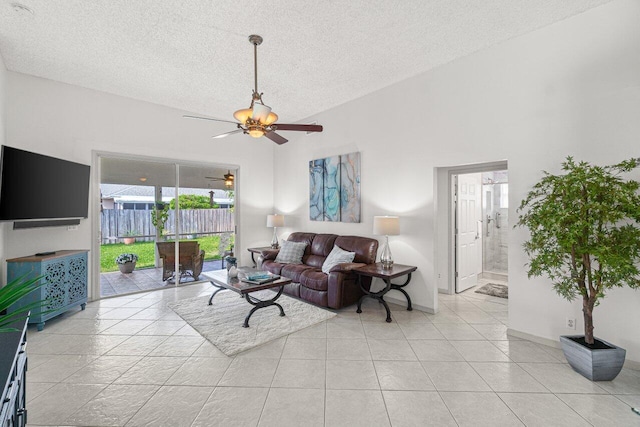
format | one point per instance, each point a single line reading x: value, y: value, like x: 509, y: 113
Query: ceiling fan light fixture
x: 260, y: 112
x: 271, y: 118
x: 228, y: 179
x: 243, y: 115
x: 256, y: 132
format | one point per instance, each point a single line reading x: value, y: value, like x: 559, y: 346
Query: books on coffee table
x: 260, y: 278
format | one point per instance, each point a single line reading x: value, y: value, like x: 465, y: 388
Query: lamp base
x: 385, y: 257
x: 387, y: 265
x: 274, y: 240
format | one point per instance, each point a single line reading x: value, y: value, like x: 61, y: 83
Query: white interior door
x: 468, y: 230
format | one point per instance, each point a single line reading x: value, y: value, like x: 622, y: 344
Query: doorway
x: 480, y: 204
x: 146, y: 206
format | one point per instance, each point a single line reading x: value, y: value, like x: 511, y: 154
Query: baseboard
x: 534, y: 338
x: 632, y: 364
x: 629, y: 364
x: 403, y: 303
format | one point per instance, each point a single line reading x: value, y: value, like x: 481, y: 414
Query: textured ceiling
x: 194, y: 54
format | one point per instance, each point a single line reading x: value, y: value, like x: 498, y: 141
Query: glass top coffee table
x: 221, y: 281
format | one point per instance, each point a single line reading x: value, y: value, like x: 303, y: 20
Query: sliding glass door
x: 149, y: 205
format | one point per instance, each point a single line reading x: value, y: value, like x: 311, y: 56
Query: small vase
x: 233, y: 272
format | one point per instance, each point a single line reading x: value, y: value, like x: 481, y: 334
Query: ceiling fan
x: 228, y: 179
x: 258, y: 120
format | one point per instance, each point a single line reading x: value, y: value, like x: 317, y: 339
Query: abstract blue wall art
x: 316, y: 190
x: 350, y: 187
x: 332, y: 188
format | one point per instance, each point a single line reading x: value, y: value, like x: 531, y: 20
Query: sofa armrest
x: 346, y: 267
x: 269, y: 254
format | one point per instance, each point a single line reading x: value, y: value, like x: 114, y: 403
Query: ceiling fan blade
x: 304, y: 128
x: 276, y: 138
x: 208, y: 118
x: 214, y: 178
x: 222, y: 135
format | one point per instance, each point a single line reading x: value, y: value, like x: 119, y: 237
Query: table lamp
x: 275, y: 221
x: 386, y: 226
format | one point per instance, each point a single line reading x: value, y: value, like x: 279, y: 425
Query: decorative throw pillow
x: 291, y: 252
x: 337, y: 256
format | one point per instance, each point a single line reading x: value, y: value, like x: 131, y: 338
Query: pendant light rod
x: 255, y: 67
x: 255, y: 40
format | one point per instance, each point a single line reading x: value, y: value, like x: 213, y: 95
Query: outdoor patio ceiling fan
x: 228, y: 179
x: 258, y: 120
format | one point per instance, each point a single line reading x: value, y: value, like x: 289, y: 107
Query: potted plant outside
x: 585, y: 237
x: 126, y: 262
x: 130, y: 237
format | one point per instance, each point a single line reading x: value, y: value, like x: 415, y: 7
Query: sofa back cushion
x: 302, y: 237
x: 320, y: 249
x: 366, y: 249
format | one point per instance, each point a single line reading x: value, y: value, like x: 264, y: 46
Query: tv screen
x: 34, y: 186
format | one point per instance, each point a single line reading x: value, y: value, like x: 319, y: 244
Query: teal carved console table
x: 65, y: 278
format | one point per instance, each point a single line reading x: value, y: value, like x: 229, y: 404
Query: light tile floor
x: 132, y: 361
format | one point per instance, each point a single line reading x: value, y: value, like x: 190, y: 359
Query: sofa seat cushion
x: 320, y: 298
x: 314, y: 279
x: 294, y: 271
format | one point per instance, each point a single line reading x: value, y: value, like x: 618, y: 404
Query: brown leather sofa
x: 335, y: 290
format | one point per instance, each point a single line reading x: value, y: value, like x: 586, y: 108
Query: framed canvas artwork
x: 334, y: 188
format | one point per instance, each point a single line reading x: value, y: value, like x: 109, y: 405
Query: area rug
x: 221, y: 323
x: 495, y: 290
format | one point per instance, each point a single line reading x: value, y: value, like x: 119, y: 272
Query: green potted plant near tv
x: 127, y: 262
x: 585, y: 237
x: 13, y: 292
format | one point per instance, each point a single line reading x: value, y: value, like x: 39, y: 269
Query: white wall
x: 71, y: 122
x: 572, y: 88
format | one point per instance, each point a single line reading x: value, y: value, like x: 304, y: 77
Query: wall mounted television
x: 37, y: 187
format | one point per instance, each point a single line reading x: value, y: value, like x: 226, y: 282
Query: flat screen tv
x: 38, y: 187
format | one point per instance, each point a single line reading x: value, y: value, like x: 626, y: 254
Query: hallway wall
x: 572, y: 88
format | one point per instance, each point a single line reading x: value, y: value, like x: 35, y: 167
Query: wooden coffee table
x: 221, y: 281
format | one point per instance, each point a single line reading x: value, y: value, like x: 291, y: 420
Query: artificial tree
x: 585, y: 233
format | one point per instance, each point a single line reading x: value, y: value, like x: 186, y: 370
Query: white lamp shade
x: 262, y: 113
x: 275, y: 220
x: 386, y: 225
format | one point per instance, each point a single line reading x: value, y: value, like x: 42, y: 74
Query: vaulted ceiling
x: 194, y: 54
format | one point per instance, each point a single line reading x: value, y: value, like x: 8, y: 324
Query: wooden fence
x: 118, y: 223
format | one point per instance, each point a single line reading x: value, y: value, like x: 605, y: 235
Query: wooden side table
x: 387, y: 275
x: 258, y: 251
